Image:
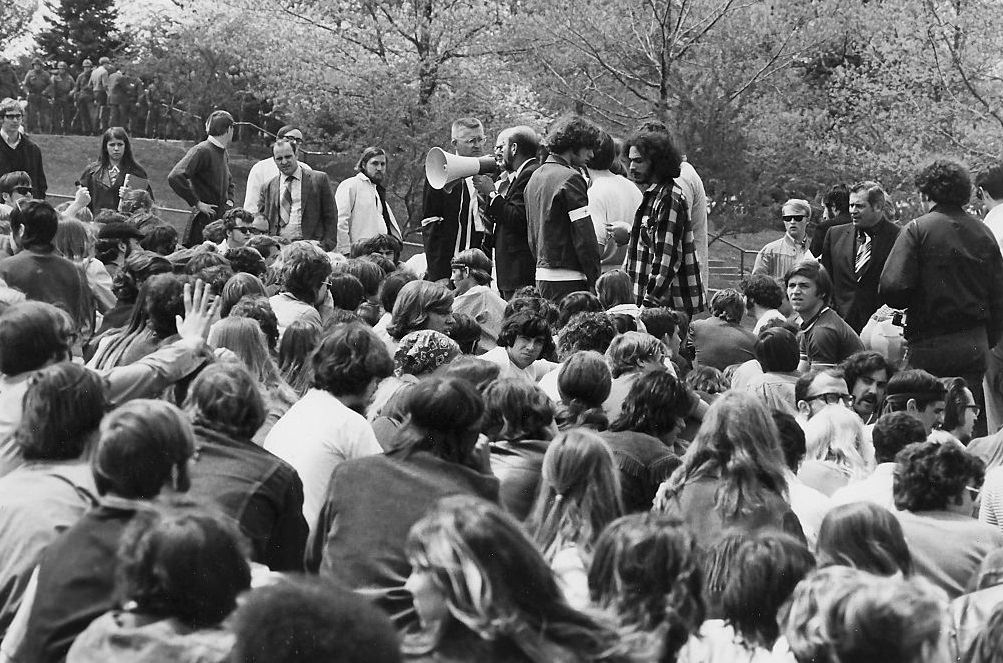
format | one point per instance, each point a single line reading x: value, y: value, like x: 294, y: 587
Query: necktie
x: 381, y: 195
x: 287, y: 201
x: 863, y: 254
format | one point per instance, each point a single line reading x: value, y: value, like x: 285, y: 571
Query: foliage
x: 14, y: 17
x: 79, y: 29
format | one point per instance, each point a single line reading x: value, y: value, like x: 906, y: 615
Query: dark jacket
x: 856, y: 302
x: 318, y: 211
x: 644, y: 463
x: 561, y: 234
x: 720, y: 344
x: 102, y: 195
x: 517, y: 466
x: 371, y: 505
x: 257, y: 489
x: 819, y: 233
x: 453, y: 233
x: 48, y: 277
x: 514, y: 261
x: 946, y: 268
x: 27, y: 157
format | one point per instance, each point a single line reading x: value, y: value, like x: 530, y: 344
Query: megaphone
x: 443, y: 168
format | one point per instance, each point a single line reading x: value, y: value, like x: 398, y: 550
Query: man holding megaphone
x: 455, y: 187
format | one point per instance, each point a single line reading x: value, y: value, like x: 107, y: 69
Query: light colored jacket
x: 360, y: 214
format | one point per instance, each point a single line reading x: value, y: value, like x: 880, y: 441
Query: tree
x: 14, y: 17
x: 79, y: 29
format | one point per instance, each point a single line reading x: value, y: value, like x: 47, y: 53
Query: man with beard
x: 506, y: 209
x: 363, y: 211
x: 299, y: 203
x: 867, y: 374
x: 661, y: 253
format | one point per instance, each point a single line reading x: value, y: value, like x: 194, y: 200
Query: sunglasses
x: 250, y: 230
x: 22, y: 190
x: 794, y: 217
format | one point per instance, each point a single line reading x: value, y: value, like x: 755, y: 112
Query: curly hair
x: 246, y: 259
x: 656, y: 404
x: 304, y: 269
x: 161, y: 239
x: 631, y: 351
x: 534, y: 303
x: 945, y: 182
x: 349, y: 358
x: 530, y: 325
x: 466, y: 331
x: 728, y: 304
x: 377, y: 244
x: 929, y: 476
x: 226, y: 398
x: 893, y: 432
x: 584, y: 383
x: 573, y: 133
x: 864, y: 363
x: 646, y: 573
x: 586, y: 331
x: 574, y: 303
x: 658, y: 149
x: 762, y: 290
x: 515, y: 410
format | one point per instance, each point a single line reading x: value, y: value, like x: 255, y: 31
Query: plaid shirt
x: 661, y: 256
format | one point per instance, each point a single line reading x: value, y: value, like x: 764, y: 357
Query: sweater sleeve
x: 179, y: 178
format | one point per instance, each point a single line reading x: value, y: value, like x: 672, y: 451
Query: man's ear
x: 911, y: 406
x: 804, y: 408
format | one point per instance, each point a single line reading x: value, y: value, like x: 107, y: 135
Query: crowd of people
x: 269, y: 437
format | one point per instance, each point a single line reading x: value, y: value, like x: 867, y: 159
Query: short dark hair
x: 225, y: 398
x: 219, y: 123
x: 377, y: 244
x: 656, y: 404
x: 346, y: 291
x: 574, y: 303
x: 445, y: 415
x: 946, y: 182
x: 303, y: 271
x: 245, y: 259
x: 163, y: 301
x: 32, y: 334
x: 915, y: 384
x: 516, y: 410
x: 312, y: 619
x: 534, y: 303
x: 657, y: 148
x: 954, y: 402
x: 62, y: 408
x: 572, y: 133
x: 604, y: 154
x: 864, y: 362
x: 586, y: 331
x: 876, y: 196
x: 990, y: 179
x: 776, y: 350
x: 187, y: 565
x: 837, y: 198
x: 660, y: 321
x: 728, y: 304
x: 39, y: 221
x: 804, y: 382
x: 369, y: 273
x: 762, y: 290
x: 814, y: 272
x: 792, y: 439
x: 893, y: 432
x: 203, y: 260
x: 466, y: 331
x: 161, y: 239
x: 530, y: 325
x: 263, y: 244
x: 258, y: 308
x: 929, y: 476
x: 349, y: 358
x: 237, y: 214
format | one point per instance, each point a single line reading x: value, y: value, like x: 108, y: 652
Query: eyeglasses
x: 976, y: 410
x: 794, y: 217
x: 476, y: 140
x: 250, y: 230
x: 22, y: 190
x: 293, y: 139
x: 832, y: 398
x: 13, y: 116
x: 974, y: 492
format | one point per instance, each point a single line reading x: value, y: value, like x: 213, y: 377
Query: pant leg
x: 961, y: 354
x: 555, y: 290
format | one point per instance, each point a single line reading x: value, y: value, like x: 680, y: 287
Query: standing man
x: 265, y: 170
x: 451, y: 220
x: 61, y: 91
x: 363, y: 211
x: 661, y: 254
x: 947, y: 270
x: 35, y: 85
x: 855, y: 253
x: 298, y: 203
x: 989, y: 189
x: 83, y: 98
x: 99, y: 80
x: 779, y: 256
x: 561, y: 234
x: 835, y: 212
x: 10, y: 87
x: 118, y: 97
x: 202, y: 177
x: 826, y: 339
x: 505, y: 211
x: 17, y: 151
x: 613, y: 201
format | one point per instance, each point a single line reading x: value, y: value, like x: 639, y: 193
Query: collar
x: 790, y: 240
x: 215, y: 141
x: 558, y: 159
x: 522, y: 167
x: 362, y: 177
x: 298, y: 174
x: 810, y: 322
x: 6, y: 136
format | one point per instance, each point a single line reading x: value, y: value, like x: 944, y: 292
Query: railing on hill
x: 742, y: 252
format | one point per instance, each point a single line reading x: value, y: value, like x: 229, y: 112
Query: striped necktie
x: 863, y: 254
x: 287, y: 201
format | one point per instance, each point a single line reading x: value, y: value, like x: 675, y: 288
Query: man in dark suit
x: 299, y: 203
x: 505, y: 212
x: 855, y: 253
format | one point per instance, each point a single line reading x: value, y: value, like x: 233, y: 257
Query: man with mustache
x: 867, y: 374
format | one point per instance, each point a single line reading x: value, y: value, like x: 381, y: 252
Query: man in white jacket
x: 363, y: 211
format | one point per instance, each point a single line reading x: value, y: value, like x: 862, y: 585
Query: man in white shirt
x: 363, y: 210
x: 613, y: 202
x: 892, y: 433
x: 325, y: 427
x: 266, y: 170
x: 989, y: 189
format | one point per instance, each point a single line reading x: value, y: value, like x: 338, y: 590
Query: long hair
x: 243, y: 336
x: 497, y: 585
x: 579, y: 493
x: 865, y: 536
x: 414, y: 301
x: 515, y: 410
x: 615, y: 288
x: 584, y: 384
x: 738, y: 442
x: 74, y: 240
x: 646, y: 573
x: 296, y: 352
x: 61, y: 412
x: 237, y: 286
x: 128, y: 163
x: 160, y: 299
x: 836, y: 434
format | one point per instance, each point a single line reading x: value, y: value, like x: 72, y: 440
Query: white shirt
x: 613, y: 199
x: 994, y: 219
x: 360, y: 212
x: 261, y: 174
x: 292, y: 227
x: 288, y: 310
x: 876, y: 488
x: 696, y: 204
x: 531, y: 373
x: 314, y: 436
x: 768, y: 316
x: 808, y: 504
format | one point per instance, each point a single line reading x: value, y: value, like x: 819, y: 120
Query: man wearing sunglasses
x: 240, y: 226
x: 777, y: 257
x: 17, y: 151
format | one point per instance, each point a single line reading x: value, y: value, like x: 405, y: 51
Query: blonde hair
x: 73, y: 239
x: 243, y: 336
x: 630, y: 350
x: 836, y: 434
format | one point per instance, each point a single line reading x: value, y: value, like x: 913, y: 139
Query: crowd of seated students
x: 315, y: 457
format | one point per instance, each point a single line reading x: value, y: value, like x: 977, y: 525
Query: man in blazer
x: 299, y: 203
x: 855, y: 253
x: 506, y: 212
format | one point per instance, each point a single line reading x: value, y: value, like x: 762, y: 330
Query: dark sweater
x: 47, y: 277
x: 644, y: 463
x: 517, y: 466
x: 27, y: 157
x: 203, y: 175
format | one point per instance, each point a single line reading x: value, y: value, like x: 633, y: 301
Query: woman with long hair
x: 583, y: 383
x: 295, y: 350
x: 75, y: 242
x: 732, y: 475
x: 105, y: 177
x: 579, y: 496
x: 837, y: 452
x: 865, y: 536
x: 646, y: 575
x: 419, y: 305
x: 243, y: 337
x: 483, y: 592
x: 237, y: 286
